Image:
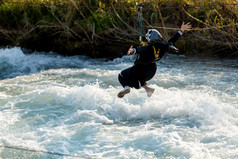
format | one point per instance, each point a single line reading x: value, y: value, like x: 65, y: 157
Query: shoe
x: 123, y: 92
x: 150, y: 91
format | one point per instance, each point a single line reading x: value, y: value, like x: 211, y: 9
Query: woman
x: 144, y: 67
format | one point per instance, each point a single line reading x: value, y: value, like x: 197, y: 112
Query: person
x: 145, y: 67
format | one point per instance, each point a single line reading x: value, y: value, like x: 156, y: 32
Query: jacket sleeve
x: 175, y: 37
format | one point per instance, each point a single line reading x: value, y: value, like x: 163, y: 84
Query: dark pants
x: 136, y: 76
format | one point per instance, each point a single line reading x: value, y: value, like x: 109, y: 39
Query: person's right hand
x: 130, y: 50
x: 185, y: 27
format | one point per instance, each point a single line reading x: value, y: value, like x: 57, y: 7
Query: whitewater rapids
x: 67, y: 107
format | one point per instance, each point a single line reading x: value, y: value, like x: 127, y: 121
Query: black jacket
x: 151, y: 53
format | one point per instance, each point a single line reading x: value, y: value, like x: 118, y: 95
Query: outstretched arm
x: 184, y: 27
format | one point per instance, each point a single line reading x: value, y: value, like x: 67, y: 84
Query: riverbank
x: 107, y: 28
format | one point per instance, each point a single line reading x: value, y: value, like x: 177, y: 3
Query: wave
x: 192, y: 113
x: 96, y: 103
x: 13, y: 62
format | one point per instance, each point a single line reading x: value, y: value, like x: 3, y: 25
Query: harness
x: 156, y: 53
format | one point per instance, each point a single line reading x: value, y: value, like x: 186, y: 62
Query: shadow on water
x: 183, y: 121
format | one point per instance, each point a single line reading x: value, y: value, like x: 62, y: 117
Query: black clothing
x: 136, y: 76
x: 145, y: 67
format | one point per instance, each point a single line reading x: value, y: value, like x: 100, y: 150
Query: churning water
x: 67, y: 107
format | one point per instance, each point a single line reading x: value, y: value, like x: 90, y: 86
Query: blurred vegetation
x: 106, y: 28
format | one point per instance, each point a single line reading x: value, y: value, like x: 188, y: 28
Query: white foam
x: 76, y: 111
x: 14, y: 62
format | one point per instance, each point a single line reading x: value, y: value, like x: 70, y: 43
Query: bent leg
x: 148, y: 75
x: 124, y: 77
x: 129, y: 77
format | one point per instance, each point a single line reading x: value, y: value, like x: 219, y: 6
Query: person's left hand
x: 130, y: 50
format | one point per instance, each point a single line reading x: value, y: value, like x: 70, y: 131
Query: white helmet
x: 153, y: 36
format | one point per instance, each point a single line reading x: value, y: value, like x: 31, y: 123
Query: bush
x: 96, y: 23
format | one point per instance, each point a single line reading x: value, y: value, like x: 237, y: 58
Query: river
x: 67, y: 107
